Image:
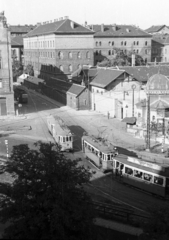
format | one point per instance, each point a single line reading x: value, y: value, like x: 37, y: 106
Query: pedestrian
x: 108, y: 115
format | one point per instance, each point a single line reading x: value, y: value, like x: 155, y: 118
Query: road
x: 37, y: 110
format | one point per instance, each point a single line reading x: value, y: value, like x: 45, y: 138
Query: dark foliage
x: 29, y: 70
x: 46, y: 199
x: 17, y: 69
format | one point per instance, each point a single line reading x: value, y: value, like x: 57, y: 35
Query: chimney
x: 38, y: 24
x: 114, y: 27
x: 66, y: 17
x: 102, y: 27
x: 133, y: 60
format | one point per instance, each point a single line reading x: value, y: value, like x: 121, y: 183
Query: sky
x: 142, y: 13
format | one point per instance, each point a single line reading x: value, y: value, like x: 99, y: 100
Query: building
x: 17, y: 48
x: 6, y: 89
x: 58, y: 48
x: 78, y: 97
x: 160, y: 29
x: 125, y: 37
x: 157, y: 47
x: 20, y: 30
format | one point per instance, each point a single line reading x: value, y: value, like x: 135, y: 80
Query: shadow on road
x: 78, y: 133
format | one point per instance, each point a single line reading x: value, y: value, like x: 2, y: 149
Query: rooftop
x: 105, y: 76
x: 17, y: 41
x: 59, y: 27
x: 76, y: 89
x: 155, y: 28
x: 21, y: 28
x: 118, y: 31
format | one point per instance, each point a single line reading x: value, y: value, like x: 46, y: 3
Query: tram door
x: 167, y: 186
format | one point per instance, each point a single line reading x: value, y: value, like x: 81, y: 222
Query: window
x: 145, y: 51
x: 64, y: 139
x: 0, y: 83
x: 97, y: 53
x: 88, y: 54
x: 60, y: 55
x: 108, y: 157
x: 147, y: 177
x: 125, y: 43
x: 137, y: 42
x: 70, y: 55
x: 61, y: 68
x: 146, y: 43
x: 122, y: 43
x: 158, y: 180
x: 134, y: 42
x: 70, y: 68
x: 138, y: 174
x: 112, y: 52
x: 85, y: 102
x: 100, y: 52
x: 78, y: 55
x: 137, y: 51
x: 128, y: 171
x: 109, y: 52
x: 53, y: 54
x: 100, y: 43
x: 112, y: 43
x: 96, y: 44
x: 109, y: 44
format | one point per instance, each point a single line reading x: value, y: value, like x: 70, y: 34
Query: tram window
x: 63, y: 139
x: 70, y: 139
x: 121, y: 166
x: 89, y: 147
x: 117, y: 164
x: 147, y: 177
x: 158, y: 180
x: 97, y: 153
x: 93, y: 150
x: 103, y: 156
x: 138, y: 174
x: 85, y: 145
x: 129, y: 171
x: 67, y: 139
x: 108, y: 157
x: 100, y: 154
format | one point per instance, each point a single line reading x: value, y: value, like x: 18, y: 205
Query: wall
x: 84, y: 100
x: 6, y: 90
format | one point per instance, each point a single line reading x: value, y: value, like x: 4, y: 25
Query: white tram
x: 60, y: 132
x: 99, y: 152
x: 147, y: 175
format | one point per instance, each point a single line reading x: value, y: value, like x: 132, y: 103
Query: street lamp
x: 133, y: 87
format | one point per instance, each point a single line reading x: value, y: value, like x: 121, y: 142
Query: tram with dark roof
x: 146, y: 175
x: 99, y: 151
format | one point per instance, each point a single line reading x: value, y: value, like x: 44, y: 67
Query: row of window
x: 112, y: 52
x: 52, y: 54
x: 51, y: 68
x: 41, y: 44
x: 65, y: 139
x: 123, y: 43
x: 144, y: 176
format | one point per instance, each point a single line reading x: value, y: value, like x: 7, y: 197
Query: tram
x: 60, y: 132
x: 99, y: 151
x: 146, y: 175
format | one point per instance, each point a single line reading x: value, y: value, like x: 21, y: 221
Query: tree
x: 121, y: 58
x: 46, y: 199
x: 17, y: 69
x: 158, y: 225
x: 29, y: 70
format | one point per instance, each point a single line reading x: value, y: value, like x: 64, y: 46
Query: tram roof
x: 158, y: 168
x: 104, y: 147
x: 61, y: 128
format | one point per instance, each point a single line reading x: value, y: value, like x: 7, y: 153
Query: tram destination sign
x: 158, y: 92
x: 145, y: 164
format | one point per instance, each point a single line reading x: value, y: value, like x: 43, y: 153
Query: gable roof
x: 17, y: 41
x: 76, y: 89
x: 119, y: 31
x: 21, y: 28
x: 57, y: 27
x: 143, y: 73
x: 105, y: 76
x: 156, y: 28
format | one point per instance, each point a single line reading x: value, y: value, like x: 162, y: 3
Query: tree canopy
x: 46, y: 199
x: 121, y: 58
x: 29, y: 70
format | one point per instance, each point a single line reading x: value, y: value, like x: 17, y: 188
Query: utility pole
x: 148, y: 123
x: 88, y: 89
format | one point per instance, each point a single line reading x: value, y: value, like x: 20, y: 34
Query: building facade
x: 6, y: 89
x: 108, y: 38
x: 58, y: 48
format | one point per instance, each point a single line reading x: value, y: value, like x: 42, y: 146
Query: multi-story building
x: 6, y: 89
x: 107, y: 38
x: 157, y: 47
x: 58, y: 48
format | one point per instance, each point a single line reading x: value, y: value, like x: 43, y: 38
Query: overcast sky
x: 142, y: 13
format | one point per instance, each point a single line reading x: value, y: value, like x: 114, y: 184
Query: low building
x: 160, y: 29
x: 78, y: 97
